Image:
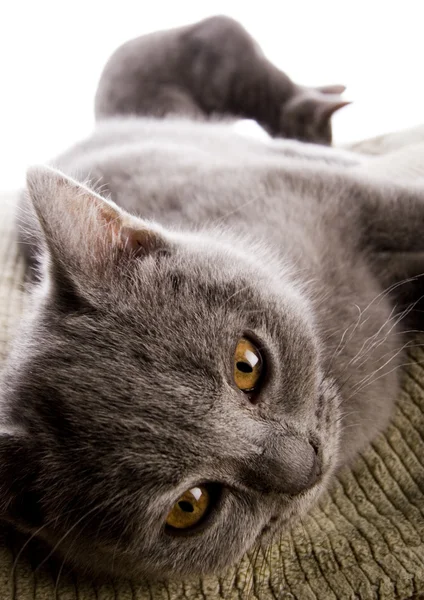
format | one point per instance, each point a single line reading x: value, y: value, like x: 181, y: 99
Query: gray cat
x: 213, y: 68
x: 218, y: 322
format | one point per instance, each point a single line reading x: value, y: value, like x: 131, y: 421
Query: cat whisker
x: 68, y: 532
x: 115, y: 550
x: 366, y: 384
x: 363, y: 348
x: 357, y: 424
x: 56, y: 587
x: 364, y: 359
x: 267, y: 558
x: 361, y: 356
x: 336, y: 351
x: 252, y: 562
x: 408, y: 344
x: 235, y: 210
x: 344, y: 341
x: 30, y: 538
x: 397, y: 318
x: 367, y: 378
x: 70, y: 548
x: 344, y: 416
x: 367, y: 339
x: 323, y: 299
x: 348, y: 427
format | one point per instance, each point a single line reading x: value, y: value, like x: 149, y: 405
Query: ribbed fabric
x: 364, y: 541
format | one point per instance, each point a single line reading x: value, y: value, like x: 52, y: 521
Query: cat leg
x: 209, y: 69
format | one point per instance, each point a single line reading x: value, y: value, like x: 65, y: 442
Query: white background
x: 52, y: 53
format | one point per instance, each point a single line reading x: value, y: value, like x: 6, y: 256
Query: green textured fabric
x: 365, y: 540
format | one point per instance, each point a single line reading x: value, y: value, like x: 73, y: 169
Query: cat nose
x: 288, y: 465
x: 294, y: 465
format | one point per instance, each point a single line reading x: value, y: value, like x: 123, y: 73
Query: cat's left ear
x: 331, y: 89
x: 86, y: 234
x: 307, y: 115
x: 319, y: 104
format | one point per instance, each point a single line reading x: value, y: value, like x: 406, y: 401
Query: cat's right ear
x: 331, y: 89
x: 87, y: 237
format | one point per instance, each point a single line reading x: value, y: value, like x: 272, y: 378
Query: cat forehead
x: 178, y: 323
x: 158, y: 340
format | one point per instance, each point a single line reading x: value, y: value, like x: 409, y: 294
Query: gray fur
x: 118, y: 394
x: 213, y: 68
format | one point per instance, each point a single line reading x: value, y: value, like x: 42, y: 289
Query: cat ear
x: 331, y: 89
x: 328, y: 104
x: 307, y: 115
x: 84, y: 232
x: 319, y: 106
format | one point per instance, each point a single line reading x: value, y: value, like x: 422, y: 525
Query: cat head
x: 307, y: 115
x: 164, y: 406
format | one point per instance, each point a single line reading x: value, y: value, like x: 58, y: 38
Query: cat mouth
x: 277, y: 522
x: 271, y: 525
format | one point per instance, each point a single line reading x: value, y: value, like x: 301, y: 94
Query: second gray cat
x: 216, y: 330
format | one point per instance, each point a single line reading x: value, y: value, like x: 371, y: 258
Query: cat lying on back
x: 217, y: 328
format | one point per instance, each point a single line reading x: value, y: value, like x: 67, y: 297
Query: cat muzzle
x: 289, y: 465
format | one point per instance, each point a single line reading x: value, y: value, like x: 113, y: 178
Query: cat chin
x: 279, y: 522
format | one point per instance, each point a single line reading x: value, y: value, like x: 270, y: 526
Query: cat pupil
x: 186, y: 506
x: 244, y: 367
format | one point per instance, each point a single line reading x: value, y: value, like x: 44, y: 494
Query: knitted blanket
x: 364, y: 540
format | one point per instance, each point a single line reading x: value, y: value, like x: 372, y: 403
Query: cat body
x: 161, y: 245
x: 213, y: 68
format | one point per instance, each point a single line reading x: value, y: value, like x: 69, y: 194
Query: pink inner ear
x: 331, y: 89
x: 140, y: 242
x: 110, y: 215
x: 328, y: 107
x: 107, y: 226
x: 104, y: 221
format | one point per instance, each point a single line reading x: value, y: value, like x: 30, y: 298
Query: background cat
x: 213, y: 68
x: 119, y: 395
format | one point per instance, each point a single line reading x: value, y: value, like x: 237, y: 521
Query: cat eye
x: 248, y: 366
x: 189, y: 509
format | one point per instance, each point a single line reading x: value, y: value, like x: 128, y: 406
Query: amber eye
x: 189, y: 509
x: 247, y: 366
